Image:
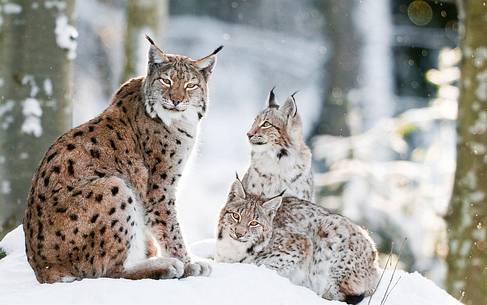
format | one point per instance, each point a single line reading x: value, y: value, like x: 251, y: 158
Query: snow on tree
x: 37, y: 45
x: 467, y: 216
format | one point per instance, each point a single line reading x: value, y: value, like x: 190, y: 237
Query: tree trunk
x: 341, y: 68
x: 37, y: 45
x: 467, y: 216
x: 143, y: 17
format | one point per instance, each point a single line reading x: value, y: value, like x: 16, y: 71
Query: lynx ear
x: 289, y: 108
x: 274, y: 203
x: 237, y: 189
x: 207, y: 63
x: 271, y: 101
x: 156, y: 55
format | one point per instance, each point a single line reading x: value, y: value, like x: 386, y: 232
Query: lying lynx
x: 103, y: 199
x: 280, y: 159
x: 300, y: 240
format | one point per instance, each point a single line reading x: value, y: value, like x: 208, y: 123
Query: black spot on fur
x: 56, y: 169
x: 99, y: 174
x: 94, y: 218
x: 51, y: 156
x: 73, y: 217
x: 70, y: 167
x: 70, y: 146
x: 282, y: 153
x: 112, y: 210
x: 61, y: 210
x: 78, y: 134
x: 112, y: 144
x: 114, y: 190
x: 95, y: 153
x: 93, y: 140
x: 99, y: 198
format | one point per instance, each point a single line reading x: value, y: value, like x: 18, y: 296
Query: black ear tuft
x: 217, y: 50
x: 271, y: 102
x: 150, y: 40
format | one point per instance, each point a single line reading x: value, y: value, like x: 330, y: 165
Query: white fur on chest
x: 229, y: 250
x: 269, y: 175
x: 188, y: 119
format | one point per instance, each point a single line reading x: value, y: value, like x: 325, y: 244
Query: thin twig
x: 393, y: 272
x: 392, y: 289
x: 382, y: 274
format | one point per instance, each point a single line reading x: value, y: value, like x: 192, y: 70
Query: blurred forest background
x: 386, y: 89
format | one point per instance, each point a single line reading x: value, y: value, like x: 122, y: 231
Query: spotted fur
x: 280, y: 160
x: 302, y: 241
x: 102, y: 202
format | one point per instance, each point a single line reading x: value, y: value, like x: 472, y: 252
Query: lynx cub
x: 102, y: 201
x: 280, y: 159
x: 300, y: 240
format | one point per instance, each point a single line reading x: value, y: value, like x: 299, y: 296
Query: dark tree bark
x: 37, y: 45
x: 341, y: 68
x: 467, y: 216
x: 143, y: 17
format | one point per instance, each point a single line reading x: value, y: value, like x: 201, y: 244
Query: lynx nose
x: 238, y: 235
x: 176, y: 98
x: 176, y: 102
x: 250, y: 135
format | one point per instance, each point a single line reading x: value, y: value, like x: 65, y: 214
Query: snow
x: 48, y: 87
x: 59, y: 4
x: 5, y: 187
x: 32, y: 111
x: 66, y: 35
x: 12, y: 8
x: 237, y: 284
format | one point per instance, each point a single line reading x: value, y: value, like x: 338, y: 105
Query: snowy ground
x: 229, y: 284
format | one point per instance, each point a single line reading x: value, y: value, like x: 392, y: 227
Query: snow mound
x: 229, y: 284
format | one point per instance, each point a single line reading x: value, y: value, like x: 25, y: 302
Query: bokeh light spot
x: 420, y: 12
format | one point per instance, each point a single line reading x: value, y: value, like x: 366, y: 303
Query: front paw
x: 197, y: 269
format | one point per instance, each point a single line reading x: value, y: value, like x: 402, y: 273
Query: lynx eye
x: 266, y: 124
x: 235, y: 216
x: 166, y: 82
x: 253, y: 224
x: 190, y: 86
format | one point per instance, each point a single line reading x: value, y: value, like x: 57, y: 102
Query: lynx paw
x: 175, y: 268
x: 197, y: 269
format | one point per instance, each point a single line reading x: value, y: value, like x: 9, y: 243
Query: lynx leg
x: 291, y: 257
x: 153, y: 268
x: 96, y: 229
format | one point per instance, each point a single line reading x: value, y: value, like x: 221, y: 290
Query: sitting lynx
x: 102, y: 201
x: 280, y: 159
x: 300, y: 240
